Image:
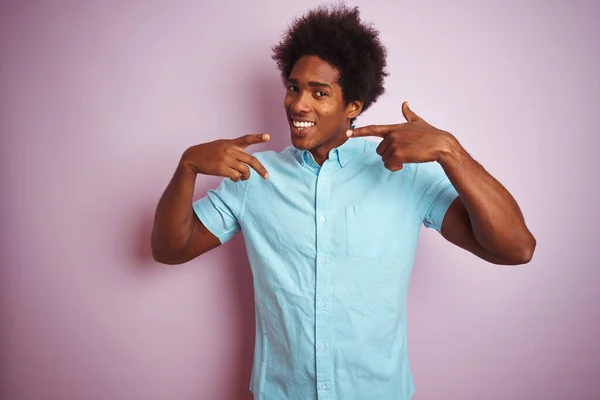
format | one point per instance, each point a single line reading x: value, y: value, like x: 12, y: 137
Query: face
x: 315, y: 107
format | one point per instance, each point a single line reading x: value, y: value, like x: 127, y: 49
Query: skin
x: 178, y: 235
x: 485, y: 219
x: 314, y: 94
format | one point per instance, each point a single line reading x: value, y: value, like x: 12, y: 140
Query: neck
x: 321, y: 152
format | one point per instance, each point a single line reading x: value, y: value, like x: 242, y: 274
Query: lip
x: 300, y: 119
x: 300, y: 133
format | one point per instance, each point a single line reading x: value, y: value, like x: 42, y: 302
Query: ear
x: 354, y: 108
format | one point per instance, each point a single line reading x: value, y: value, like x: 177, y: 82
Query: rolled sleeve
x: 435, y: 216
x: 220, y: 210
x: 432, y: 194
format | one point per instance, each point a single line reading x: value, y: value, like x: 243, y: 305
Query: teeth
x: 299, y: 124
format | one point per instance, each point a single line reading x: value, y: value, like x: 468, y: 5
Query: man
x: 331, y: 223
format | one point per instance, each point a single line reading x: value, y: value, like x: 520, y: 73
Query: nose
x: 300, y: 104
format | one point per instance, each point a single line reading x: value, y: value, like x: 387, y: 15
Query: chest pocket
x: 369, y: 230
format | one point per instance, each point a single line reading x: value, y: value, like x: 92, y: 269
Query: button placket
x: 323, y: 283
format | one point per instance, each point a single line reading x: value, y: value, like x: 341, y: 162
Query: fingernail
x: 349, y: 132
x: 266, y: 175
x: 265, y: 136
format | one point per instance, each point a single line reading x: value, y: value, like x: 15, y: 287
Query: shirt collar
x: 343, y: 154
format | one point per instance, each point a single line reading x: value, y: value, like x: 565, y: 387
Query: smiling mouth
x: 301, y: 127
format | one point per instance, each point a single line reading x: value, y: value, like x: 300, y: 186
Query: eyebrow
x: 311, y: 83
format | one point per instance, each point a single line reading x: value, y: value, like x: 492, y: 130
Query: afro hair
x: 336, y: 35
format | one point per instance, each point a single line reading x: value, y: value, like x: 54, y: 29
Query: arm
x: 178, y: 234
x: 485, y: 219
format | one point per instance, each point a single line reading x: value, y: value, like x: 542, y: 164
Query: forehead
x: 312, y: 68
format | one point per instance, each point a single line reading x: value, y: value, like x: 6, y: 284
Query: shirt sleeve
x: 220, y: 210
x: 432, y: 193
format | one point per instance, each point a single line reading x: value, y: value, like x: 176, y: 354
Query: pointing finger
x: 248, y: 140
x: 254, y: 163
x: 371, y: 130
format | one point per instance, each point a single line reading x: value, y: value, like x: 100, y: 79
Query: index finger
x: 371, y: 130
x: 248, y: 140
x: 254, y: 163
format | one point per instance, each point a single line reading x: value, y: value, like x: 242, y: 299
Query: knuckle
x: 242, y: 140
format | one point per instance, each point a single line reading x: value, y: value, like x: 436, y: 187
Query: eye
x: 321, y: 93
x: 292, y: 88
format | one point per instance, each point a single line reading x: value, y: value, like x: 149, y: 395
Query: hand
x: 415, y: 141
x: 225, y: 157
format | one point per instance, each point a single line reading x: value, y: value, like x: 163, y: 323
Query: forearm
x: 174, y: 218
x: 496, y: 220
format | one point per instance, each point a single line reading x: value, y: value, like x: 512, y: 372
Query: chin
x: 302, y: 143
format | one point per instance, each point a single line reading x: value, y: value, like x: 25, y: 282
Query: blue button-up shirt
x: 331, y: 250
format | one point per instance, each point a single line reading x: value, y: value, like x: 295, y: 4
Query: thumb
x: 248, y: 140
x: 409, y: 115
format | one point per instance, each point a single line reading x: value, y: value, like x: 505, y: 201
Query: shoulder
x: 271, y: 156
x: 426, y: 171
x: 276, y: 163
x: 410, y: 172
x: 368, y: 143
x: 372, y: 162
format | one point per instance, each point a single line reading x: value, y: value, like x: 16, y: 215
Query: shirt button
x: 323, y: 386
x: 322, y: 347
x: 322, y: 218
x: 323, y: 179
x: 322, y: 304
x: 321, y: 260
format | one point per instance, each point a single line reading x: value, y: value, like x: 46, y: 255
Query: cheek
x: 332, y: 115
x: 286, y: 102
x: 327, y: 112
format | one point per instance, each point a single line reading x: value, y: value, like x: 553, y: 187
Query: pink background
x: 98, y: 101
